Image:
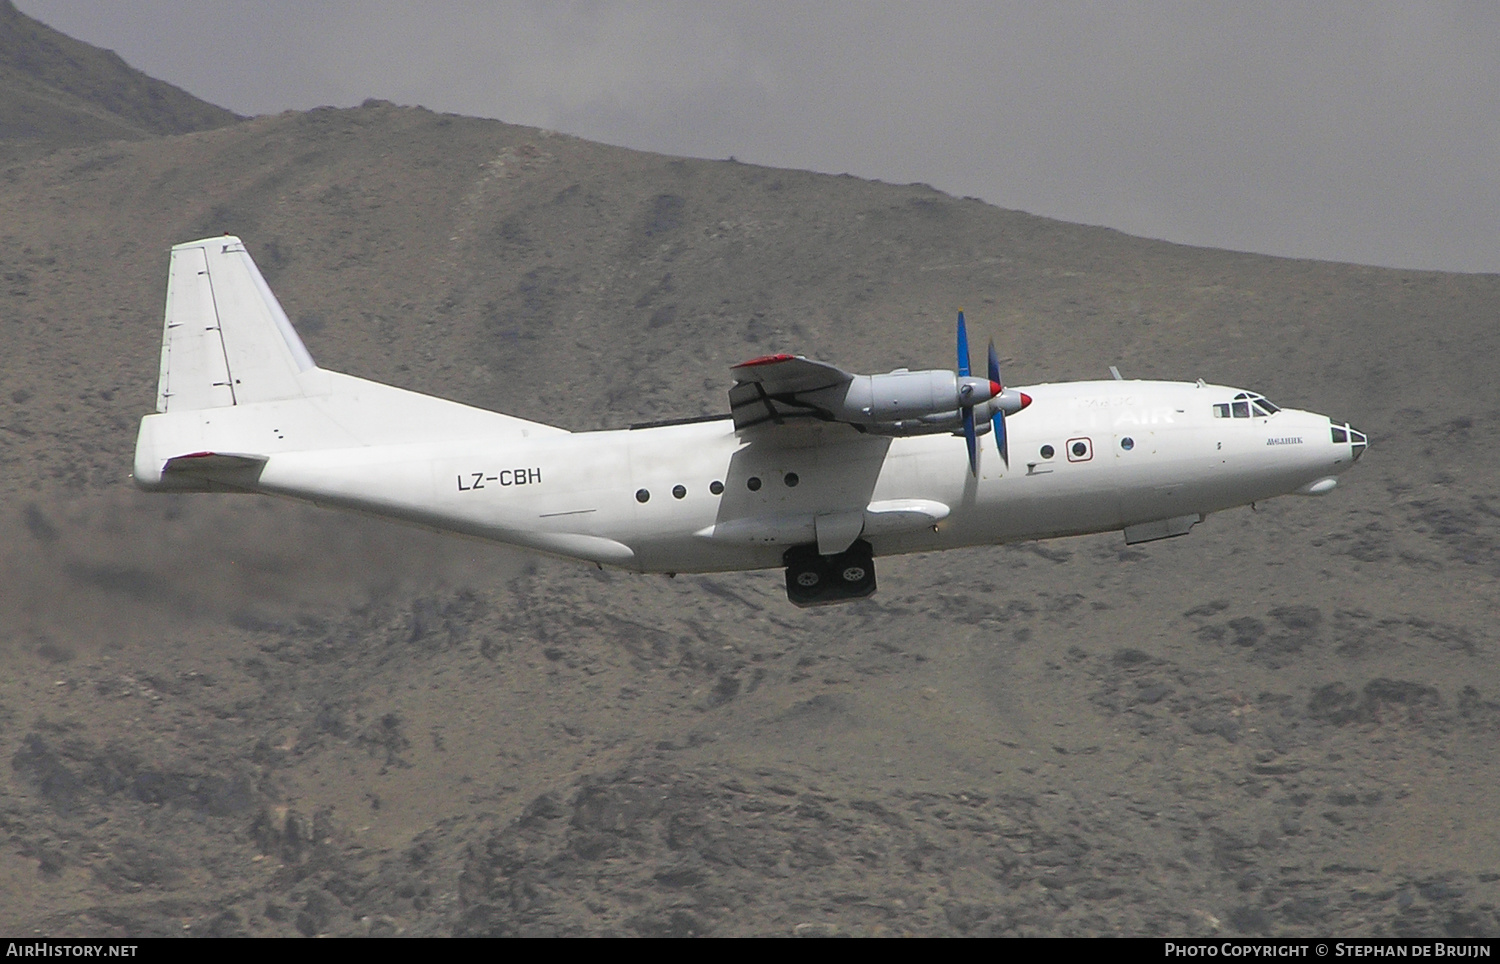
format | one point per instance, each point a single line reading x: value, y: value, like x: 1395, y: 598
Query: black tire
x: 808, y: 581
x: 853, y: 573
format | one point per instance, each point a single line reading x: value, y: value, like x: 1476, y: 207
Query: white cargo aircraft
x: 814, y: 469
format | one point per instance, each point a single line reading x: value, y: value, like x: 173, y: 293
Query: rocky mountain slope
x: 59, y: 92
x: 228, y: 716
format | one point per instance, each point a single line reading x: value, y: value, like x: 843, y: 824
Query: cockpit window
x: 1244, y: 405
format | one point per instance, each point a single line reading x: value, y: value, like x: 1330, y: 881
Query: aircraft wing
x: 777, y: 389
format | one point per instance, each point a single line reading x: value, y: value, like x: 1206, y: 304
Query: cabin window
x: 1080, y: 450
x: 792, y: 479
x: 1048, y: 451
x: 716, y: 487
x: 679, y: 491
x: 1127, y: 443
x: 641, y: 495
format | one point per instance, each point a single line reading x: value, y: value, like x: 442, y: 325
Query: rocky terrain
x: 227, y: 716
x: 56, y: 91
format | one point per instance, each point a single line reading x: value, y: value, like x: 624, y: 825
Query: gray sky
x: 1351, y: 130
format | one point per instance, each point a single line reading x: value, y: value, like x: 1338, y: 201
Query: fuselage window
x: 1221, y: 410
x: 641, y: 495
x: 792, y: 479
x: 1047, y: 451
x: 679, y: 491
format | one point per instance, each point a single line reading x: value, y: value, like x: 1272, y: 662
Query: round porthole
x: 1080, y: 450
x: 716, y: 487
x: 792, y: 479
x: 641, y: 495
x: 679, y: 491
x: 753, y: 483
x: 1127, y: 443
x: 1048, y: 451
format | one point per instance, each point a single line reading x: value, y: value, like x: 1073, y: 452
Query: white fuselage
x: 1122, y: 454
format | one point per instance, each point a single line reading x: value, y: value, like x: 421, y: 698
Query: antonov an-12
x: 814, y: 469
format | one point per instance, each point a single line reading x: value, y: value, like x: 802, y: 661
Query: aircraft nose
x: 1359, y: 441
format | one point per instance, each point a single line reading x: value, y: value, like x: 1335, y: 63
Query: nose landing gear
x: 814, y: 580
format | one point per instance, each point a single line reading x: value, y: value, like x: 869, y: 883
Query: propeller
x: 998, y: 403
x: 968, y: 410
x: 999, y: 419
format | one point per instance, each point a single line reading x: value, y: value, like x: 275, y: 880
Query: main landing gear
x: 814, y: 580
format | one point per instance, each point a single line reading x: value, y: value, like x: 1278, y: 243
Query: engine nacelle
x: 902, y: 395
x: 1009, y: 401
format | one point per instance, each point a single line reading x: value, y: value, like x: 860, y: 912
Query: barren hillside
x: 242, y: 716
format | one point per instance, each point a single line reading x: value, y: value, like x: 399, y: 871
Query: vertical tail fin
x: 227, y: 341
x: 228, y: 349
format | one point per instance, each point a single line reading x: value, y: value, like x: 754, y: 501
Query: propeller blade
x: 963, y: 372
x: 999, y: 423
x: 963, y: 347
x: 999, y: 420
x: 971, y: 441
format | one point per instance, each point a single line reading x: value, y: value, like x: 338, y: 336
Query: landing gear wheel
x: 814, y: 580
x: 807, y: 576
x: 853, y: 575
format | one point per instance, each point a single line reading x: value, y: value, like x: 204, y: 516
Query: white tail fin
x: 227, y: 341
x: 237, y: 387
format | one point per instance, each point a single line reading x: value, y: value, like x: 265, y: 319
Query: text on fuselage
x: 469, y: 481
x: 1146, y: 416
